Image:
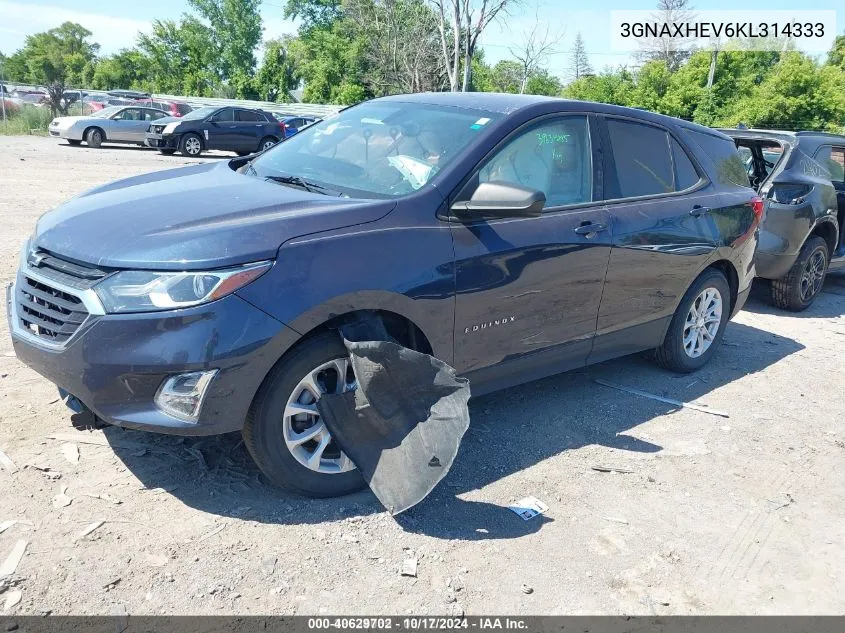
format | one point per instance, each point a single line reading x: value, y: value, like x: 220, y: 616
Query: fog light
x: 181, y: 396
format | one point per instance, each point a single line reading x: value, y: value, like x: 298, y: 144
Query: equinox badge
x: 489, y: 324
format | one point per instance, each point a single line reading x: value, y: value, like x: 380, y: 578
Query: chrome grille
x: 47, y: 312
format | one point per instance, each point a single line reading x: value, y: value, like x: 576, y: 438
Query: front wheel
x: 797, y: 290
x: 190, y: 145
x: 284, y: 432
x: 94, y: 137
x: 697, y: 325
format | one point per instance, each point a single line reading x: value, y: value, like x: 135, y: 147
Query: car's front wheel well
x: 826, y: 231
x: 402, y: 329
x: 729, y: 271
x: 93, y: 127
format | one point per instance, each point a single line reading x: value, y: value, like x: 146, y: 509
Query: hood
x: 167, y: 119
x: 67, y: 121
x: 192, y: 218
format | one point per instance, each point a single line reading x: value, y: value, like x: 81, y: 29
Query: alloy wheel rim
x: 192, y: 145
x: 703, y: 322
x: 813, y: 275
x: 305, y: 434
x: 267, y: 145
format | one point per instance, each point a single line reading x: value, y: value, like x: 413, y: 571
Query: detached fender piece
x: 403, y: 425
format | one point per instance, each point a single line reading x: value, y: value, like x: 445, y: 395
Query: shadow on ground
x: 829, y: 303
x: 510, y: 431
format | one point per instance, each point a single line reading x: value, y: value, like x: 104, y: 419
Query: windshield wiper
x: 313, y: 187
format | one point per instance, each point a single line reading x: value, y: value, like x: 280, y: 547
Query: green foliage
x: 181, y: 57
x: 278, y: 75
x: 542, y: 83
x: 608, y: 86
x: 319, y: 14
x: 26, y: 120
x: 128, y: 69
x: 836, y: 56
x: 55, y: 59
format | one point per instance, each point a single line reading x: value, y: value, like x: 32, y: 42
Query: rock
x: 71, y: 452
x: 61, y: 500
x: 527, y: 590
x: 13, y: 559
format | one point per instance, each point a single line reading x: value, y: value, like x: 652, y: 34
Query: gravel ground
x: 733, y: 516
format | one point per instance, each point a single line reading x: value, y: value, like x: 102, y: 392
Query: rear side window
x: 641, y: 158
x: 685, y: 173
x: 224, y: 115
x: 247, y: 115
x: 834, y: 159
x: 723, y: 153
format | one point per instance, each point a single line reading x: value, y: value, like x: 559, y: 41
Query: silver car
x: 116, y: 124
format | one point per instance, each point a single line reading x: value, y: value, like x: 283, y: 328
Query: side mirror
x: 501, y: 200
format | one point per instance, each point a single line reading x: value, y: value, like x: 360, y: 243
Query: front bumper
x: 115, y: 363
x: 71, y: 133
x: 161, y: 141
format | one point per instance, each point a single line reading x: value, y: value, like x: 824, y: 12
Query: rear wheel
x: 266, y: 143
x: 190, y: 145
x: 799, y: 287
x: 94, y: 137
x: 697, y: 325
x: 284, y: 432
x: 73, y: 141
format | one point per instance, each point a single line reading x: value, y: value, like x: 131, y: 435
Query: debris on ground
x: 13, y: 598
x: 7, y: 463
x: 13, y: 559
x: 676, y: 403
x: 528, y: 508
x: 93, y: 526
x: 71, y: 452
x: 609, y: 469
x: 408, y: 567
x: 61, y: 500
x: 216, y: 530
x: 5, y: 525
x: 102, y: 496
x: 616, y: 520
x: 527, y: 589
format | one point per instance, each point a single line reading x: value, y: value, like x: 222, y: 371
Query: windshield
x: 105, y: 113
x: 376, y: 149
x: 200, y: 113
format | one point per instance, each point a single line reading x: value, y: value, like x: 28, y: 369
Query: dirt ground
x: 738, y: 515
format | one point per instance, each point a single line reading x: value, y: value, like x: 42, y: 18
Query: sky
x: 115, y: 23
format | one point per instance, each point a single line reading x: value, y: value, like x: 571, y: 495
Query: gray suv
x: 801, y: 176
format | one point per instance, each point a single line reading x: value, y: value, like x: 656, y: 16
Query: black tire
x: 94, y: 137
x: 800, y: 286
x: 263, y: 431
x: 671, y: 354
x: 167, y: 152
x: 73, y: 141
x: 266, y: 143
x: 243, y: 153
x: 190, y: 145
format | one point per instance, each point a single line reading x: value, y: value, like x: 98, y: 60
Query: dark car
x: 240, y: 130
x: 801, y: 176
x: 294, y: 124
x: 511, y: 236
x: 129, y: 94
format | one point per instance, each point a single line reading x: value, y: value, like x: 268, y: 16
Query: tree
x: 609, y: 86
x: 277, y: 75
x: 651, y: 83
x: 461, y: 23
x: 542, y: 83
x: 401, y: 44
x: 538, y: 43
x: 129, y: 68
x: 235, y: 28
x: 56, y: 59
x: 836, y: 56
x: 579, y: 62
x: 182, y: 57
x: 674, y: 51
x: 314, y: 14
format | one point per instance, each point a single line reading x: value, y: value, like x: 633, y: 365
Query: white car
x: 117, y: 124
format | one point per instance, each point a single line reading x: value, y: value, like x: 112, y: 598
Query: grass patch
x: 26, y: 120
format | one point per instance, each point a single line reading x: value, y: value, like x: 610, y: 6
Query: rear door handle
x: 589, y: 229
x: 697, y: 211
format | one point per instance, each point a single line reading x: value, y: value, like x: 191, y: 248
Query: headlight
x: 170, y: 128
x: 148, y: 291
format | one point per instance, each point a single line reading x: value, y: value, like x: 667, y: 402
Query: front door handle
x: 590, y: 229
x: 697, y: 211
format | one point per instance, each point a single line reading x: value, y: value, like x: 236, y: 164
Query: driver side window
x: 554, y: 157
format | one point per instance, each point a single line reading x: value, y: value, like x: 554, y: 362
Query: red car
x: 172, y: 108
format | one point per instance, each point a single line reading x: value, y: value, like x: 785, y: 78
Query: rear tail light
x: 284, y: 129
x: 757, y: 208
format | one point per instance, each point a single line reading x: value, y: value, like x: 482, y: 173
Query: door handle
x: 697, y: 211
x: 589, y: 229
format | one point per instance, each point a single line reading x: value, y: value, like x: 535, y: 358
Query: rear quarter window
x: 722, y: 151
